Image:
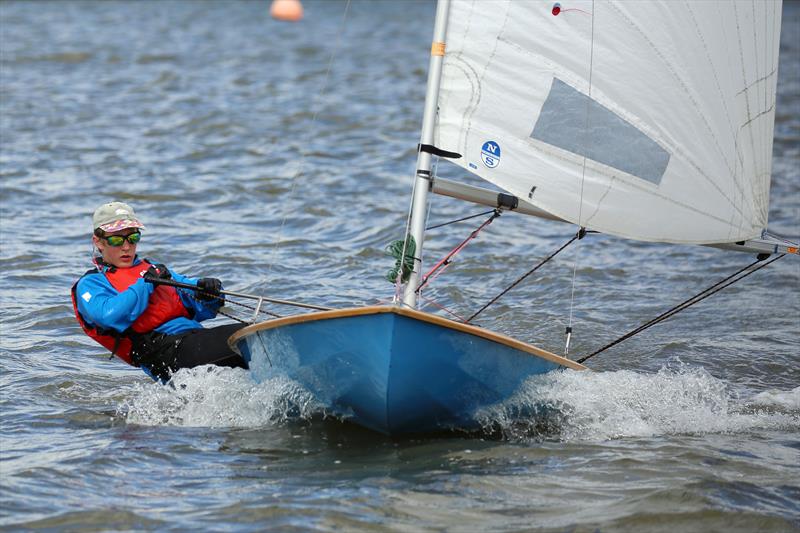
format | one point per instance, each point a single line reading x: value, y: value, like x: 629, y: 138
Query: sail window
x: 609, y: 139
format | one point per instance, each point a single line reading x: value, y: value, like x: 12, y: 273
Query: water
x: 200, y: 115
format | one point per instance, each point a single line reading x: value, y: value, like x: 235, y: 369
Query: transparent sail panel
x: 574, y: 122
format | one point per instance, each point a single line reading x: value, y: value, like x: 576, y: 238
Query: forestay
x: 647, y: 120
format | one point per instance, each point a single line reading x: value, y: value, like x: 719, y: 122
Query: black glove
x: 209, y: 289
x: 157, y: 272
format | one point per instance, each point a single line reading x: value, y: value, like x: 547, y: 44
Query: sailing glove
x: 157, y: 272
x: 209, y: 289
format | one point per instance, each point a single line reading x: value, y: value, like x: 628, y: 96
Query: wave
x: 783, y: 400
x: 562, y: 406
x: 597, y: 406
x: 210, y: 396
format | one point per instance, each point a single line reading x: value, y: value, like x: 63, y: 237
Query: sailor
x: 155, y: 327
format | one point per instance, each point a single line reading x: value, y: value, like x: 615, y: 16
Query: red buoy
x: 286, y: 10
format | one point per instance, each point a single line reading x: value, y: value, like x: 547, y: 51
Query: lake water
x: 278, y: 158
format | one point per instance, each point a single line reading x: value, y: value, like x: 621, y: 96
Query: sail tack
x: 647, y: 120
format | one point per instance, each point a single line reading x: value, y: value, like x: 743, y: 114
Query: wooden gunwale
x: 411, y: 313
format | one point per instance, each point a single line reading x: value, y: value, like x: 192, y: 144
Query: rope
x: 236, y: 318
x: 228, y: 301
x: 253, y: 308
x: 443, y: 308
x: 446, y: 260
x: 403, y: 252
x: 581, y: 233
x: 688, y: 303
x: 460, y: 220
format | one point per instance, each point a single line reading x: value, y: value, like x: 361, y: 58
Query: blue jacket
x: 102, y: 306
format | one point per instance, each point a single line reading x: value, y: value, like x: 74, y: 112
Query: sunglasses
x: 119, y: 240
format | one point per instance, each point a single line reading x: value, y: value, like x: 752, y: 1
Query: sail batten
x: 646, y: 120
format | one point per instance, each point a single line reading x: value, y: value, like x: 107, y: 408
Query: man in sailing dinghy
x: 154, y: 327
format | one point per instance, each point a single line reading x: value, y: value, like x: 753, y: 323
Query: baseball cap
x: 115, y: 216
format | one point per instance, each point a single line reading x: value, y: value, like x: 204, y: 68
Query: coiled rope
x: 403, y: 252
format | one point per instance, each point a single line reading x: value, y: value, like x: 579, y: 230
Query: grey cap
x: 115, y: 216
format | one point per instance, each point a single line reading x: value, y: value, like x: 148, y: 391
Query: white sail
x: 647, y: 120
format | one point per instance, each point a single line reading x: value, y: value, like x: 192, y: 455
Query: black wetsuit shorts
x: 162, y: 355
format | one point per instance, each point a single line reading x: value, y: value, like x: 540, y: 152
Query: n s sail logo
x: 490, y: 154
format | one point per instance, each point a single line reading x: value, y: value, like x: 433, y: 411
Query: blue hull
x: 390, y: 371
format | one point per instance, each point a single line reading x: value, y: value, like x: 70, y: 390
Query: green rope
x: 395, y: 250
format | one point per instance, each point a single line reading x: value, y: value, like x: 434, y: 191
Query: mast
x: 423, y: 174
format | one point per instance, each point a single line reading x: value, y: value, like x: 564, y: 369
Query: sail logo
x: 490, y: 154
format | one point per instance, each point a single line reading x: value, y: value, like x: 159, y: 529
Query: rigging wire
x: 226, y: 301
x: 442, y: 265
x: 236, y: 318
x: 443, y: 308
x: 460, y: 220
x: 722, y: 284
x: 301, y: 164
x: 568, y: 330
x: 579, y: 235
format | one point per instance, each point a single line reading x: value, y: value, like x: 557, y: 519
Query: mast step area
x: 769, y: 243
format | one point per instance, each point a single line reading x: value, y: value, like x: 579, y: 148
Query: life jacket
x: 164, y: 305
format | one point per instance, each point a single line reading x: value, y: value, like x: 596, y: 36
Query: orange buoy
x: 287, y: 10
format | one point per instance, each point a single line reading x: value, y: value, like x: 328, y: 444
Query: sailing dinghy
x: 646, y: 120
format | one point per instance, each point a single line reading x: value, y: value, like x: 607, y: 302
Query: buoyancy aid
x: 163, y: 305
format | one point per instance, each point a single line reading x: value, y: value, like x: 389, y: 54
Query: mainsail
x: 647, y: 120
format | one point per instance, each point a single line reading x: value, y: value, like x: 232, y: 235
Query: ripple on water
x: 212, y: 121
